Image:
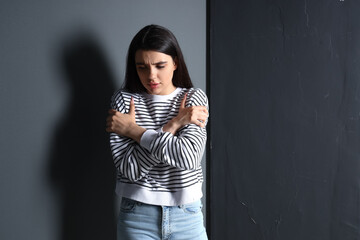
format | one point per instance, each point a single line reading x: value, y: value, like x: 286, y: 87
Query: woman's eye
x: 159, y: 67
x: 141, y: 67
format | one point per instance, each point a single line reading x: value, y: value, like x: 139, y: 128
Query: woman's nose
x: 152, y: 73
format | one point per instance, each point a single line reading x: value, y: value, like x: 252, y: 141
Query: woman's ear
x: 175, y: 60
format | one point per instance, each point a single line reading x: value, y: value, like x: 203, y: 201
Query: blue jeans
x: 139, y: 221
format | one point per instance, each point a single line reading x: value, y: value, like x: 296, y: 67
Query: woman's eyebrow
x: 161, y: 62
x: 142, y: 63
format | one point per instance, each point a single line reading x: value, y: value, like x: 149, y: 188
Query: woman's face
x: 155, y: 70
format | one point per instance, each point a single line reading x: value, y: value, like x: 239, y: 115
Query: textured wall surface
x: 60, y: 62
x: 285, y: 111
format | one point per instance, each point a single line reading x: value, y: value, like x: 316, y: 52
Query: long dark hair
x: 160, y: 39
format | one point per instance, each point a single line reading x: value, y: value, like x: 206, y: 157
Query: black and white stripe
x: 173, y: 161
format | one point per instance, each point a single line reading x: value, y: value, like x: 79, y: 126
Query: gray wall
x: 60, y: 63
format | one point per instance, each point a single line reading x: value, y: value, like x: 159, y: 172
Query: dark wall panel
x: 284, y: 91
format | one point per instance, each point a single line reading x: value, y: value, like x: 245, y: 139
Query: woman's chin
x: 155, y: 91
x: 158, y: 90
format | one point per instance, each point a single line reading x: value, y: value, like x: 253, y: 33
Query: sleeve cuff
x: 148, y: 136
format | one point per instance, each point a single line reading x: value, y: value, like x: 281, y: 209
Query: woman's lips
x: 153, y: 85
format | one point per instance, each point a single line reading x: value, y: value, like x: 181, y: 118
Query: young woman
x: 157, y: 125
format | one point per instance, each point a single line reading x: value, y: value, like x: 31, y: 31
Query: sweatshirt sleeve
x: 183, y: 150
x: 131, y: 160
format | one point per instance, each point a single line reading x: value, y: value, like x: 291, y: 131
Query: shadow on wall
x: 81, y: 168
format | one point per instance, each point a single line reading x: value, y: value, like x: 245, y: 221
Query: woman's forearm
x: 172, y: 126
x: 135, y: 132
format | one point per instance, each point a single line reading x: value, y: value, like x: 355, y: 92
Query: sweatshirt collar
x: 162, y: 97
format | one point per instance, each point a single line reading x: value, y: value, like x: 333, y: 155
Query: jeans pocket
x: 127, y: 205
x: 192, y: 208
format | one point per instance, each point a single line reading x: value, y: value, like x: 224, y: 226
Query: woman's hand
x: 124, y: 124
x: 187, y: 115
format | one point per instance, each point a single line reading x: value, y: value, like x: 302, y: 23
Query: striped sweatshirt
x: 164, y: 169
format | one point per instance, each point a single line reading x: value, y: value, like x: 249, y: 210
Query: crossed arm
x: 125, y: 124
x: 183, y: 150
